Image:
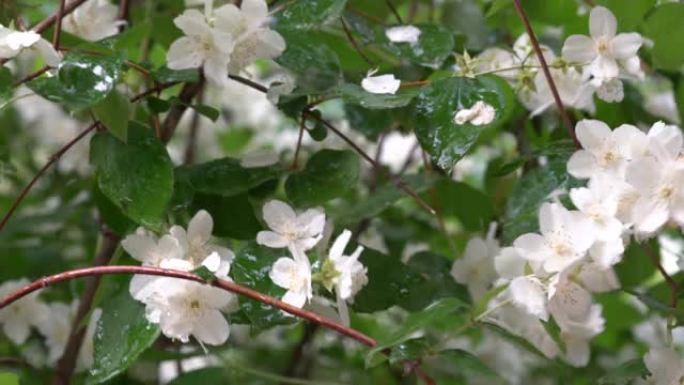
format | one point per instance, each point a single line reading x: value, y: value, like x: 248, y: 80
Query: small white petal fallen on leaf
x: 403, y: 34
x: 383, y: 84
x: 480, y: 113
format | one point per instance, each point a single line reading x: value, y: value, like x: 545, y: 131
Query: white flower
x: 569, y: 303
x: 18, y: 318
x: 495, y: 60
x: 185, y: 308
x: 403, y: 34
x: 382, y: 84
x: 565, y: 238
x: 605, y: 150
x: 195, y: 242
x: 57, y: 328
x: 478, y: 114
x: 13, y: 43
x: 662, y: 105
x: 529, y: 294
x: 294, y: 275
x: 298, y: 232
x: 280, y: 84
x: 352, y: 275
x: 571, y: 86
x: 599, y: 202
x: 476, y: 267
x: 252, y: 38
x: 666, y: 366
x: 660, y: 185
x: 610, y: 90
x: 509, y: 263
x: 203, y: 45
x: 93, y: 20
x: 604, y: 49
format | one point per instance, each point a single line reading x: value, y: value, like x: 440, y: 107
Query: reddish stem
x: 58, y: 26
x: 547, y: 73
x: 222, y: 284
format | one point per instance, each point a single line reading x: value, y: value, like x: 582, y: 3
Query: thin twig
x: 15, y: 362
x: 189, y: 156
x: 395, y: 180
x: 189, y: 91
x: 299, y: 350
x: 302, y: 124
x: 156, y: 89
x: 58, y: 24
x: 53, y: 159
x: 124, y: 6
x: 222, y: 284
x: 354, y: 44
x: 655, y: 258
x: 50, y: 20
x: 394, y: 11
x: 67, y: 363
x: 31, y: 76
x: 547, y: 73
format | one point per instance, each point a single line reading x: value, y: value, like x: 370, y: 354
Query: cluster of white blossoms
x: 53, y: 321
x: 224, y: 40
x: 183, y: 308
x: 93, y: 20
x: 635, y: 187
x: 589, y: 65
x: 300, y: 232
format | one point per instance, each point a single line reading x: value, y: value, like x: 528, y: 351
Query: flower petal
x: 184, y: 53
x: 279, y: 216
x: 212, y: 328
x: 579, y: 49
x: 626, y: 45
x: 602, y: 23
x: 200, y: 227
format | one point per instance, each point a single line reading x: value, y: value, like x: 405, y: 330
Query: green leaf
x: 470, y: 206
x: 355, y: 95
x: 383, y: 198
x: 299, y: 58
x: 123, y: 333
x: 438, y: 102
x: 233, y: 215
x: 6, y: 82
x: 206, y: 111
x: 9, y: 379
x: 625, y: 373
x: 136, y: 176
x: 410, y: 350
x: 530, y: 192
x: 413, y: 286
x: 370, y: 123
x: 483, y: 302
x: 207, y: 376
x: 436, y: 312
x: 226, y: 176
x: 166, y: 75
x: 82, y: 80
x: 111, y: 215
x: 250, y: 268
x: 636, y: 266
x: 664, y: 26
x: 310, y: 14
x: 435, y: 44
x: 496, y: 6
x: 328, y: 174
x: 629, y: 15
x: 468, y: 364
x: 113, y: 112
x: 515, y: 339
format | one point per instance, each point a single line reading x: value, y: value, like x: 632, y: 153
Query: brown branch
x: 156, y: 89
x: 189, y: 155
x: 124, y: 7
x: 67, y: 363
x: 308, y: 112
x: 398, y: 182
x: 354, y: 44
x: 547, y: 73
x: 299, y: 350
x: 221, y: 284
x: 302, y: 124
x: 31, y: 76
x: 655, y: 258
x: 58, y: 24
x: 394, y: 11
x: 50, y: 20
x: 15, y: 362
x: 53, y: 159
x: 187, y: 93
